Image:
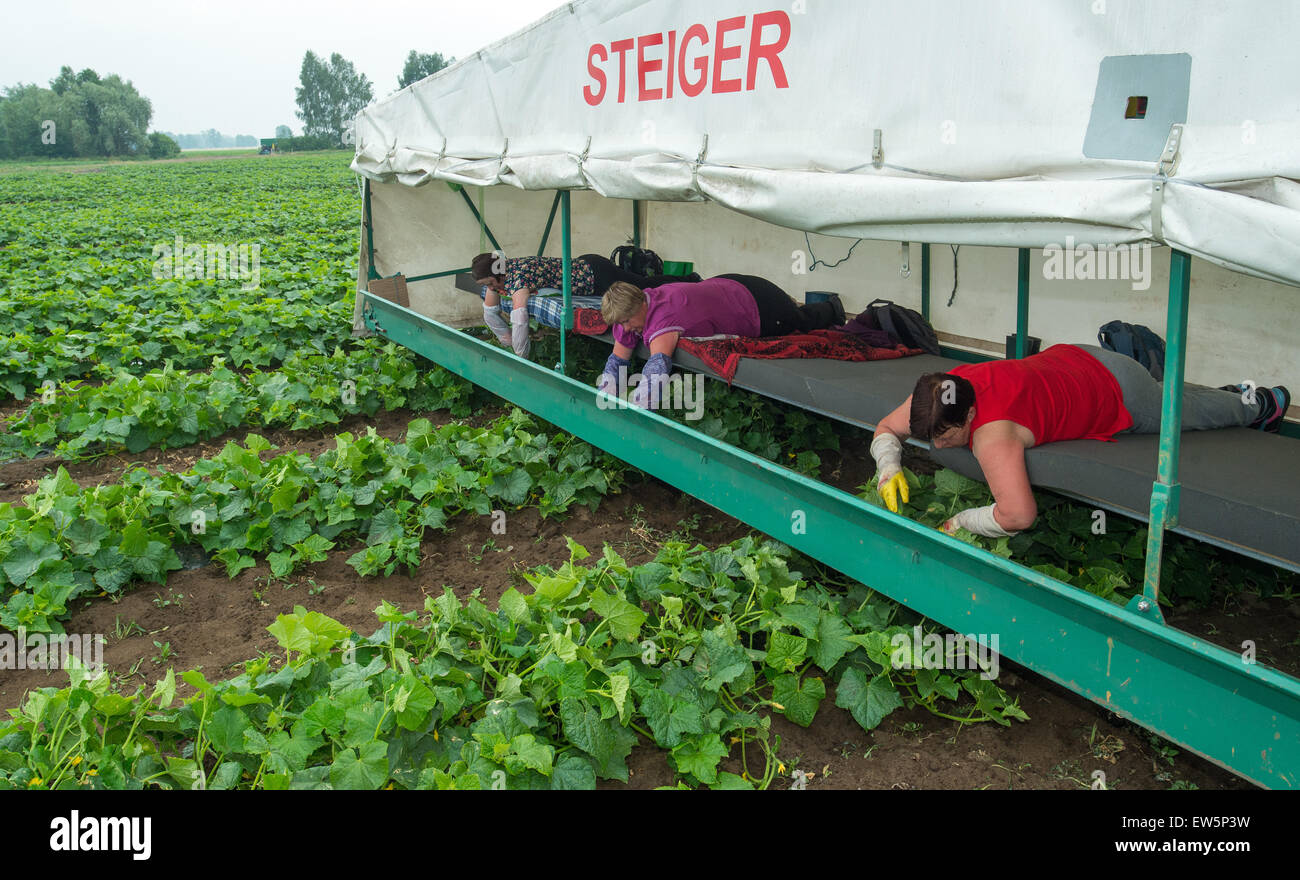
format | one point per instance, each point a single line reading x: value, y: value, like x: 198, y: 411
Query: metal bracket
x: 1166, y: 167
x: 877, y: 151
x: 1144, y: 607
x: 906, y: 271
x: 1169, y: 158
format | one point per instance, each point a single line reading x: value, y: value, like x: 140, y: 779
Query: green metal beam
x: 1165, y: 492
x: 636, y: 223
x: 925, y: 281
x: 425, y: 277
x: 1242, y: 716
x: 969, y: 357
x: 1022, y: 304
x: 371, y: 272
x: 566, y: 323
x: 546, y: 233
x: 478, y: 218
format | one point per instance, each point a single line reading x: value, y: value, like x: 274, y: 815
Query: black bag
x: 638, y: 261
x: 904, y: 324
x: 1138, y: 342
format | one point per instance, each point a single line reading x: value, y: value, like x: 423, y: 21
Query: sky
x: 233, y: 65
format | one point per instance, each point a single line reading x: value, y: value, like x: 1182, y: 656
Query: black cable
x: 816, y: 261
x: 952, y: 296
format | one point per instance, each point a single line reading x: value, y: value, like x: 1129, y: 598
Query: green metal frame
x: 1022, y: 303
x: 1159, y: 677
x: 550, y: 219
x: 1165, y: 493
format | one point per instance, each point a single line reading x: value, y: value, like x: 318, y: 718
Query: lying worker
x: 522, y: 277
x: 735, y: 305
x: 1001, y: 408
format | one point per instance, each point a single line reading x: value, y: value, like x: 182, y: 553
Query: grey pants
x: 1203, y: 408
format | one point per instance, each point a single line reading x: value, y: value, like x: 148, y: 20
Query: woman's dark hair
x: 938, y: 405
x: 481, y: 266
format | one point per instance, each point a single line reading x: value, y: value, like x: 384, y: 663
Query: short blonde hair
x: 621, y: 302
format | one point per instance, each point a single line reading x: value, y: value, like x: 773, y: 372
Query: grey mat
x: 1240, y: 488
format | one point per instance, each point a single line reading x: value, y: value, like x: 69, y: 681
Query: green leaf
x: 670, y: 717
x: 226, y: 729
x: 624, y: 618
x: 700, y: 758
x: 799, y: 699
x: 832, y: 641
x: 514, y: 605
x: 868, y: 701
x: 526, y: 751
x: 366, y: 770
x: 720, y: 662
x: 607, y: 742
x: 731, y: 782
x: 414, y: 704
x: 785, y: 651
x: 513, y: 487
x: 802, y: 617
x: 573, y: 773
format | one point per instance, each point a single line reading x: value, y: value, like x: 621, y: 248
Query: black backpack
x: 904, y: 324
x: 638, y: 261
x: 1138, y: 342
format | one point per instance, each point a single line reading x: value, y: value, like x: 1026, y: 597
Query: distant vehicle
x: 267, y: 148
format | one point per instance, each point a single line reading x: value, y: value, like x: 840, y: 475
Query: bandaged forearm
x: 492, y: 317
x: 519, y: 332
x: 654, y: 377
x: 887, y: 450
x: 980, y: 521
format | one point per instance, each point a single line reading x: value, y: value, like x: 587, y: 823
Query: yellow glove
x: 892, y: 489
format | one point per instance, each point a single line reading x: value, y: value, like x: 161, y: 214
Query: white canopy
x: 999, y: 123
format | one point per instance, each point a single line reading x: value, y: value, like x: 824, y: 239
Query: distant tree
x: 283, y: 131
x: 35, y: 121
x: 245, y: 140
x: 418, y: 66
x: 162, y: 146
x: 109, y: 117
x: 80, y: 114
x: 330, y: 95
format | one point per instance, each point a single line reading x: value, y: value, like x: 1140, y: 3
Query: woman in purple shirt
x: 734, y: 305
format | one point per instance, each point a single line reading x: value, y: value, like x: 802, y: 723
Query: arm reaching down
x: 1001, y: 454
x: 648, y: 395
x: 887, y: 450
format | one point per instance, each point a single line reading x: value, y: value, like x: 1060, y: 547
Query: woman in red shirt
x: 1068, y: 392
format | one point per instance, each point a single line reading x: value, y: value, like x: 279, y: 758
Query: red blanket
x: 588, y: 322
x: 722, y: 356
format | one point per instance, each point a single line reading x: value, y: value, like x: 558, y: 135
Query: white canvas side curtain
x: 991, y: 123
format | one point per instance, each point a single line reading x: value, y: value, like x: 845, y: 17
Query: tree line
x: 80, y: 114
x: 83, y: 114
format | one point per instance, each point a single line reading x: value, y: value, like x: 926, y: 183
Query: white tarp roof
x: 984, y: 110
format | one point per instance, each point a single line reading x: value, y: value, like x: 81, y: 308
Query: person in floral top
x: 522, y: 277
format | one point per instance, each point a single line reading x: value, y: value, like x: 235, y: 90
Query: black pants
x: 604, y: 273
x: 778, y: 314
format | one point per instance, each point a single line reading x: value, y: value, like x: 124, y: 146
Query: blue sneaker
x: 1274, y: 403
